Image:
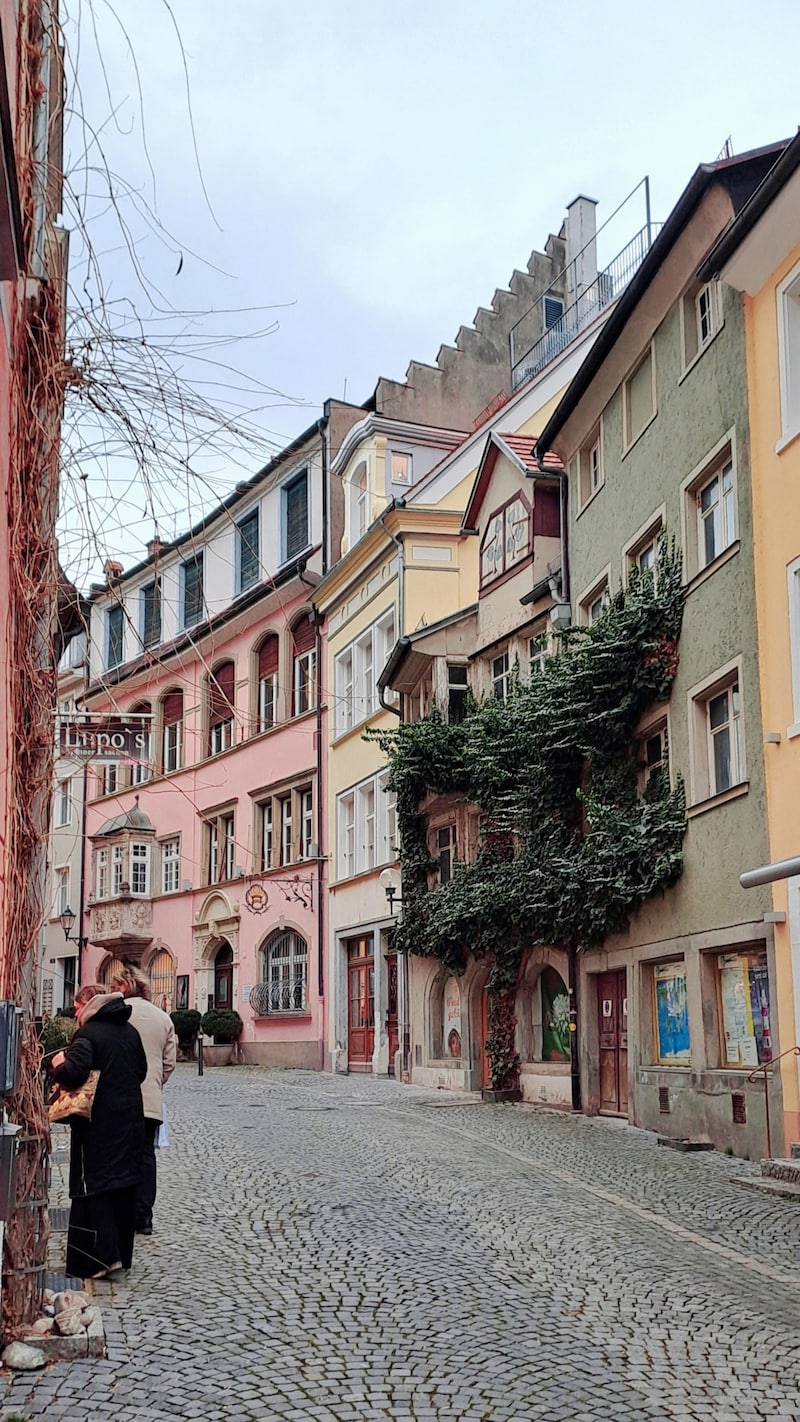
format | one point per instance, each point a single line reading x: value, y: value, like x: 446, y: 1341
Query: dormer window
x: 400, y: 467
x: 361, y: 493
x: 507, y: 539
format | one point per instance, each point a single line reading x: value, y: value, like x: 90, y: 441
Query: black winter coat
x: 107, y: 1151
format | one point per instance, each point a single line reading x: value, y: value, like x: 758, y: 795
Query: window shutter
x: 303, y: 636
x: 172, y: 708
x: 268, y: 657
x: 222, y: 692
x: 547, y: 512
x: 297, y: 516
x: 248, y: 551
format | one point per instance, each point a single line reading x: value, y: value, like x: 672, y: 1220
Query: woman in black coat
x: 107, y: 1152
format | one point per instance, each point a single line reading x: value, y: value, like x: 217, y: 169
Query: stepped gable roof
x: 134, y: 819
x: 519, y: 450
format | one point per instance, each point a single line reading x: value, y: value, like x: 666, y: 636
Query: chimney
x: 154, y: 547
x: 112, y: 569
x: 581, y: 227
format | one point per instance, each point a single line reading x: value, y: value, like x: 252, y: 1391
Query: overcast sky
x: 374, y: 171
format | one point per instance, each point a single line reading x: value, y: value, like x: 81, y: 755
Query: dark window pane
x: 151, y: 630
x: 296, y: 516
x: 192, y: 576
x: 249, y: 561
x: 114, y: 628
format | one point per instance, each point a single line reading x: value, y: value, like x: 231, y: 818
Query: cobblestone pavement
x: 342, y: 1248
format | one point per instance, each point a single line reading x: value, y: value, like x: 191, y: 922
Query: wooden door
x: 223, y: 977
x: 392, y: 1032
x: 360, y: 1003
x: 612, y: 1022
x: 483, y: 1028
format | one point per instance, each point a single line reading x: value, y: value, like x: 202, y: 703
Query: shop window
x: 671, y: 1014
x: 745, y: 1009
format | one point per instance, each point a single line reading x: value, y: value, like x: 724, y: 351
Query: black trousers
x: 146, y: 1196
x: 101, y: 1230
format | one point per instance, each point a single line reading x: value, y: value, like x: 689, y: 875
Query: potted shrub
x: 55, y: 1034
x: 224, y: 1025
x: 187, y: 1025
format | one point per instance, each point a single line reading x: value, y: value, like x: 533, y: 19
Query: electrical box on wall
x: 10, y: 1046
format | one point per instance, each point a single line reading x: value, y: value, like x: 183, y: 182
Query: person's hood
x: 110, y: 1006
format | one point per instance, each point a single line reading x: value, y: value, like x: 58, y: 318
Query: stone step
x: 764, y: 1185
x: 786, y: 1170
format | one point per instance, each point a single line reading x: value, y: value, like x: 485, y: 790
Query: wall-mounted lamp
x: 67, y: 919
x: 391, y: 883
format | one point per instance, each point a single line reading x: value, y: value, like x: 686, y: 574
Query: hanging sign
x: 105, y: 738
x: 257, y: 899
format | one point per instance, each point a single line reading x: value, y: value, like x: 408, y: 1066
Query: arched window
x: 268, y: 682
x: 304, y: 670
x: 140, y: 770
x: 110, y: 970
x: 162, y: 979
x: 221, y: 695
x: 172, y: 731
x: 285, y: 973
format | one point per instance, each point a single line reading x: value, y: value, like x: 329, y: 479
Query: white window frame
x: 117, y: 870
x: 367, y: 826
x: 198, y: 561
x: 221, y: 846
x: 306, y: 798
x: 110, y: 778
x: 286, y: 846
x: 172, y: 746
x: 346, y: 835
x: 649, y: 534
x: 221, y: 736
x: 171, y: 865
x: 793, y: 591
x: 501, y: 679
x: 64, y: 802
x: 386, y: 801
x: 723, y: 452
x: 267, y: 701
x: 345, y: 685
x: 141, y: 769
x: 657, y: 722
x: 62, y: 889
x: 787, y: 296
x: 140, y: 869
x: 266, y: 833
x: 445, y: 847
x: 407, y: 477
x: 598, y: 589
x: 304, y: 682
x: 102, y: 878
x: 628, y: 438
x: 285, y: 974
x: 702, y: 782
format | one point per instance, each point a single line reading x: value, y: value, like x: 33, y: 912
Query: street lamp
x: 67, y: 919
x: 391, y: 883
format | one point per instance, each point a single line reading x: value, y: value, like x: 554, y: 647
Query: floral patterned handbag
x: 76, y: 1104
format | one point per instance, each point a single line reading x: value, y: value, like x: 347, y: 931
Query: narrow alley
x: 344, y: 1248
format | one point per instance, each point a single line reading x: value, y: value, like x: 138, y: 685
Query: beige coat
x: 158, y: 1039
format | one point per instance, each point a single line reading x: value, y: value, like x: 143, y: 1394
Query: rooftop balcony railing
x: 606, y: 287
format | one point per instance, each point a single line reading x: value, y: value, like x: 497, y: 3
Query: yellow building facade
x: 759, y: 255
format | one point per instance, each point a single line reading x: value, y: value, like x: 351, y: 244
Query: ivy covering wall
x: 569, y: 845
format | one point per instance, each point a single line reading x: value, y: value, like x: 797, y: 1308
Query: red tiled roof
x: 522, y: 446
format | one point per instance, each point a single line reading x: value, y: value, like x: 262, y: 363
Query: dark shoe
x: 145, y: 1229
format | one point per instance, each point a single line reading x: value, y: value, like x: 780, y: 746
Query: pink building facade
x: 204, y: 861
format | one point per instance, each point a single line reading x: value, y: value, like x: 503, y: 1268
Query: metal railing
x: 606, y: 287
x: 764, y: 1069
x: 286, y: 994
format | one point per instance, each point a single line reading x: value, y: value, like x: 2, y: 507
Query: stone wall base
x: 306, y: 1055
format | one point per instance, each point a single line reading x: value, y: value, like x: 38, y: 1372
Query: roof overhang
x: 766, y: 230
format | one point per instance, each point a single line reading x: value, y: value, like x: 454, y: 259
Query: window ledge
x: 713, y: 800
x: 722, y: 558
x: 304, y: 1015
x: 590, y: 499
x: 786, y: 440
x: 699, y: 355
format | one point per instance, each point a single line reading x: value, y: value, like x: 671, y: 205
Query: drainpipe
x: 320, y: 818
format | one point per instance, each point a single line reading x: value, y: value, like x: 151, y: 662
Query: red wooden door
x: 392, y: 1033
x: 612, y: 1022
x: 360, y: 1003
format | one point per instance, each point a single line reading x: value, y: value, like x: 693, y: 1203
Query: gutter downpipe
x: 404, y: 1024
x: 320, y: 811
x: 573, y: 985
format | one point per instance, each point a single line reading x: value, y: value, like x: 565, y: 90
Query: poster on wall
x: 672, y: 1013
x: 744, y: 994
x: 452, y: 1018
x: 555, y: 1017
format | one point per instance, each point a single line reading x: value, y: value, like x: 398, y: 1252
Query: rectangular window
x: 671, y: 1014
x: 552, y: 311
x: 345, y: 716
x: 367, y: 675
x: 221, y: 737
x: 594, y: 603
x: 172, y: 747
x: 117, y: 870
x: 446, y: 852
x: 295, y: 516
x: 788, y: 299
x: 745, y: 1009
x: 110, y: 779
x: 652, y: 753
x: 305, y: 681
x: 115, y: 630
x: 501, y: 677
x: 192, y: 607
x: 793, y: 576
x: 140, y: 770
x: 347, y: 835
x: 266, y: 836
x: 287, y: 850
x: 61, y: 903
x: 247, y: 552
x: 700, y: 319
x: 170, y: 866
x: 229, y: 844
x: 387, y: 818
x: 306, y: 823
x: 457, y: 693
x: 367, y: 808
x: 64, y: 803
x: 140, y: 870
x: 267, y: 701
x: 639, y: 403
x: 725, y: 759
x: 221, y: 846
x: 151, y: 613
x: 537, y: 654
x: 716, y: 515
x: 101, y: 874
x: 401, y: 468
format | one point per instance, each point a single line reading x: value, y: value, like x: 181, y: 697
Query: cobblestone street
x: 341, y: 1248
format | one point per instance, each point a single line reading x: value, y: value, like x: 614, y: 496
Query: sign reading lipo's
x: 113, y: 738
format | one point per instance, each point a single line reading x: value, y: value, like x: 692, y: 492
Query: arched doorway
x: 162, y: 979
x: 223, y: 976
